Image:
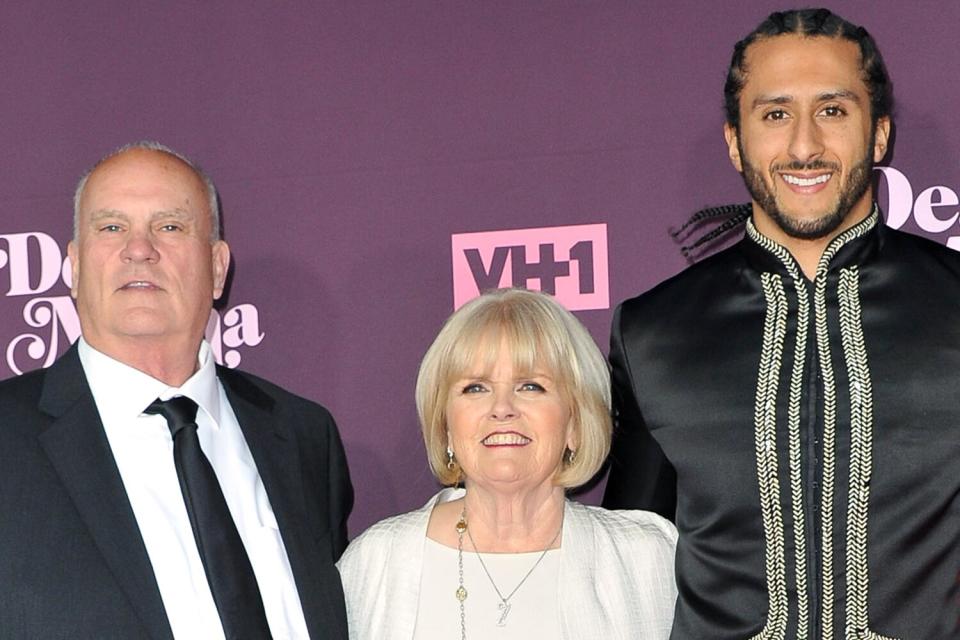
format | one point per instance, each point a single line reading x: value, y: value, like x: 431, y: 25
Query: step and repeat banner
x: 382, y: 162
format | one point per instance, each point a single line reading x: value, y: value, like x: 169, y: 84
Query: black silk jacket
x: 804, y: 436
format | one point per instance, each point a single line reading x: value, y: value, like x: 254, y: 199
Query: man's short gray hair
x: 213, y: 201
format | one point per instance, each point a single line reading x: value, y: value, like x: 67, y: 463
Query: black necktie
x: 229, y: 574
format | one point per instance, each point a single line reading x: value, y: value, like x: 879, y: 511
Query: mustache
x: 814, y: 165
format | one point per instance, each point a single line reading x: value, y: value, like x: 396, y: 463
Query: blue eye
x: 473, y: 387
x: 531, y: 386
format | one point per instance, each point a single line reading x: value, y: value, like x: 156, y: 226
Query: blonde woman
x: 514, y: 403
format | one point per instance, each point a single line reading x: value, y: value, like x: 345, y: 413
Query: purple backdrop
x: 351, y: 140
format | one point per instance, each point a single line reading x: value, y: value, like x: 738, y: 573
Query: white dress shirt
x: 143, y: 449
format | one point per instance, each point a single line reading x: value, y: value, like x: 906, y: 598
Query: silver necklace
x: 461, y: 592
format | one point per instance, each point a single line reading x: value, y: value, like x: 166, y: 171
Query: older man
x: 792, y: 401
x: 144, y: 491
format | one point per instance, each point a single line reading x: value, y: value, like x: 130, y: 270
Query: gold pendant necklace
x: 461, y: 593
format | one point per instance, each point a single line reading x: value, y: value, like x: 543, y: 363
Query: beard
x: 851, y: 192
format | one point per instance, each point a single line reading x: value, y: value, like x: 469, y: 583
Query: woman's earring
x: 451, y: 461
x: 569, y: 456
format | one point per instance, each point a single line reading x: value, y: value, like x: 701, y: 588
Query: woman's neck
x: 513, y: 522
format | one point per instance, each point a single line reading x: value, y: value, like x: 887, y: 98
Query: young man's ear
x: 881, y: 138
x: 733, y: 146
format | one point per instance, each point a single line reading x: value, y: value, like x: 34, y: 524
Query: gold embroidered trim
x: 861, y: 455
x: 765, y: 438
x: 857, y: 582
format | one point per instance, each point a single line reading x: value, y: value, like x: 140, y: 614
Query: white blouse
x: 534, y: 608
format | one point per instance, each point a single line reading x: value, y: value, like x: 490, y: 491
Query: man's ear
x: 881, y: 138
x: 733, y: 145
x: 221, y: 263
x: 74, y: 267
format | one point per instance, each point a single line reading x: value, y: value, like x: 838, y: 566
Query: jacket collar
x: 855, y: 246
x: 77, y: 447
x: 276, y: 450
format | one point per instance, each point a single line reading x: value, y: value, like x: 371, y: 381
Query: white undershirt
x: 143, y: 449
x: 534, y: 608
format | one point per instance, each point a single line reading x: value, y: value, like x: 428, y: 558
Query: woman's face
x: 508, y: 429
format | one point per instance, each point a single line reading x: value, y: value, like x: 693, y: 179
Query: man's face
x: 806, y: 145
x: 144, y: 269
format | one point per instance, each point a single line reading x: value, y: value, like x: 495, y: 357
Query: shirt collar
x: 123, y: 392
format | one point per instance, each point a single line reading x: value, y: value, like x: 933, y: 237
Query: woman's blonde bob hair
x: 540, y: 334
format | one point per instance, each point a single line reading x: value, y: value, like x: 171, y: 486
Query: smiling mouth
x: 805, y: 182
x: 139, y: 285
x: 505, y: 439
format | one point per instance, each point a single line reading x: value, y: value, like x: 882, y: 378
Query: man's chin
x: 807, y: 227
x: 143, y: 323
x: 815, y: 231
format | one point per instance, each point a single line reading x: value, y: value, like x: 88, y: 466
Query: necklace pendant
x: 461, y: 594
x: 504, y: 608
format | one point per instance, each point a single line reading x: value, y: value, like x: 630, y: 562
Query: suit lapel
x: 276, y: 452
x: 78, y: 449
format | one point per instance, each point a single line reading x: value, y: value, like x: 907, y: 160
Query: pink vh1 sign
x: 568, y: 262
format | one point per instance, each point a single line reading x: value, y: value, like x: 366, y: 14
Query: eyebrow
x: 826, y: 96
x: 839, y: 94
x: 100, y: 214
x: 177, y: 214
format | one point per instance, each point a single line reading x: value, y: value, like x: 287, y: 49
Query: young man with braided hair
x: 777, y: 399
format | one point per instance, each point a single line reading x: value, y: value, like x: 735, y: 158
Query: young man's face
x: 806, y: 145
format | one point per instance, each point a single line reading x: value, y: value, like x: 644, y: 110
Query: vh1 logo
x: 567, y: 262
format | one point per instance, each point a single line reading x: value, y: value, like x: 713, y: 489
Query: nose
x: 503, y: 405
x: 139, y: 248
x: 806, y: 140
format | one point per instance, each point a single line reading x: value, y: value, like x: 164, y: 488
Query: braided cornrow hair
x: 812, y: 23
x: 733, y: 217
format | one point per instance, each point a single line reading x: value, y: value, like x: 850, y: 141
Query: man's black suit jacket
x: 72, y: 561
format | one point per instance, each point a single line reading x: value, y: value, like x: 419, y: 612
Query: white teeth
x: 505, y: 439
x: 806, y: 182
